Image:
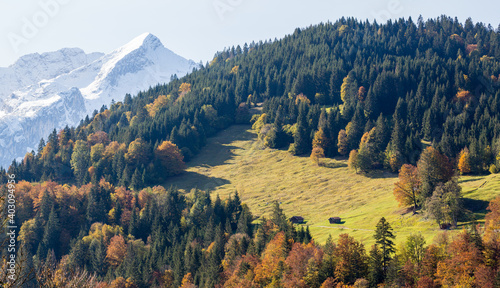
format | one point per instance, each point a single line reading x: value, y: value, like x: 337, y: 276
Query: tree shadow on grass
x: 215, y: 154
x: 218, y: 151
x: 379, y: 174
x: 333, y: 165
x: 476, y: 206
x: 470, y: 180
x: 191, y: 180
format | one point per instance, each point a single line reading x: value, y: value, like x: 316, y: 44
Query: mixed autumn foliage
x: 160, y: 238
x: 402, y: 82
x: 90, y: 215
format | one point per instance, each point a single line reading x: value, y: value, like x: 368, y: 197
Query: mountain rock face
x: 42, y: 92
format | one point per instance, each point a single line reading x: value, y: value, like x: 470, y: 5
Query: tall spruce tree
x: 385, y: 239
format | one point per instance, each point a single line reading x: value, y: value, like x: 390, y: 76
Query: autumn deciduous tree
x: 433, y: 168
x: 159, y: 103
x: 96, y: 152
x: 273, y: 260
x: 170, y: 157
x: 351, y: 259
x: 184, y: 88
x: 260, y: 121
x: 361, y: 93
x: 116, y: 250
x: 342, y: 143
x: 320, y: 139
x: 317, y: 154
x: 99, y: 137
x: 464, y: 95
x: 464, y: 161
x: 119, y: 282
x: 301, y: 98
x: 138, y: 152
x: 297, y: 263
x: 349, y: 87
x: 187, y: 281
x: 393, y: 159
x: 329, y: 283
x: 407, y: 189
x: 353, y: 160
x: 240, y: 274
x: 458, y: 270
x: 492, y: 221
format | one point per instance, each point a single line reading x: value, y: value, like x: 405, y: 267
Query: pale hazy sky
x: 196, y: 29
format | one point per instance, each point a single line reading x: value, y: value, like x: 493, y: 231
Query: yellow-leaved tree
x: 184, y: 89
x: 160, y: 102
x: 464, y: 161
x: 320, y: 139
x: 353, y: 160
x: 138, y: 152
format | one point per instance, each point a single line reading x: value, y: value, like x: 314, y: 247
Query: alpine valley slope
x: 235, y: 160
x: 42, y: 92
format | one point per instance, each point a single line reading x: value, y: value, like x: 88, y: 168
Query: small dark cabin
x: 445, y: 226
x: 334, y: 220
x: 297, y: 219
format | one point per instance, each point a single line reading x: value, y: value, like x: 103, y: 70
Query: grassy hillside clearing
x: 234, y: 160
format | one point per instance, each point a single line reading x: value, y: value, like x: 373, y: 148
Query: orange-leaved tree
x: 406, y: 190
x: 492, y: 221
x: 317, y: 154
x: 300, y: 258
x: 170, y: 158
x: 465, y: 258
x: 273, y: 261
x: 116, y: 250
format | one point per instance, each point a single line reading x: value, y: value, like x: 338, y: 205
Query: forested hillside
x: 435, y: 81
x: 381, y: 94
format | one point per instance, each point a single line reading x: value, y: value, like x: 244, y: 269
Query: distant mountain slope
x: 40, y: 93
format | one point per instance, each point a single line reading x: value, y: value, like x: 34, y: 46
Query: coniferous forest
x: 418, y: 98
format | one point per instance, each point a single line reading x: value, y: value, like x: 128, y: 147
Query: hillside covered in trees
x: 379, y: 93
x: 434, y: 81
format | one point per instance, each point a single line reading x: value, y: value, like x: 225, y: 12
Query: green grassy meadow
x: 234, y: 160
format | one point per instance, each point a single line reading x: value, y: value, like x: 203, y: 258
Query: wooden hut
x: 334, y: 220
x: 297, y: 219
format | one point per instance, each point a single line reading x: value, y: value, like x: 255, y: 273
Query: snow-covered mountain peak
x: 41, y: 92
x: 145, y: 40
x: 144, y: 55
